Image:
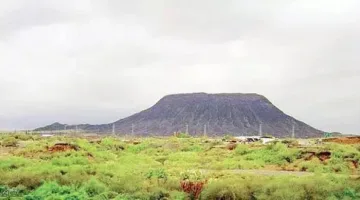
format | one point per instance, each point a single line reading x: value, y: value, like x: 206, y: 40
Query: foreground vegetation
x: 32, y: 168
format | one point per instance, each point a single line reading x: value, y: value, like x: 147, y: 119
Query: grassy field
x: 34, y: 168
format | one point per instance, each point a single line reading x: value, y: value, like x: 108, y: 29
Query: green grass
x: 117, y: 169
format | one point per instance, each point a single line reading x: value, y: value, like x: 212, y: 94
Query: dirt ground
x: 5, y: 151
x: 62, y: 147
x: 261, y: 172
x: 344, y: 140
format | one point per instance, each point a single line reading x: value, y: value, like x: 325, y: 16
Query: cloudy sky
x: 95, y: 61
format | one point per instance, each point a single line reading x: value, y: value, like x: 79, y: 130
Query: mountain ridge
x: 220, y: 113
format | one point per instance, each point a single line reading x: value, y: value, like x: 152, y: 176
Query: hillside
x: 219, y: 114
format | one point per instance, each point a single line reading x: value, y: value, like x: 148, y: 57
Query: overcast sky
x: 88, y: 61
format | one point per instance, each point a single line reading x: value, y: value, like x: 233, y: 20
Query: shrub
x: 227, y: 137
x: 290, y: 142
x: 158, y: 194
x: 313, y: 166
x: 229, y: 189
x: 176, y: 195
x: 70, y: 161
x: 112, y: 144
x: 12, y: 192
x: 192, y: 148
x: 192, y: 182
x: 52, y: 190
x: 347, y: 193
x: 94, y: 187
x: 13, y: 163
x: 158, y: 174
x: 183, y: 135
x: 30, y: 180
x: 137, y: 148
x: 9, y: 142
x: 23, y: 137
x: 161, y: 159
x: 278, y: 154
x: 124, y: 197
x: 242, y: 149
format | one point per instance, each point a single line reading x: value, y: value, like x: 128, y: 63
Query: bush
x: 159, y: 174
x: 290, y: 142
x: 242, y: 149
x: 278, y: 154
x: 227, y: 137
x: 183, y: 135
x: 94, y: 187
x: 23, y: 137
x: 12, y: 192
x: 70, y: 161
x: 52, y: 190
x: 192, y: 148
x: 313, y: 166
x: 124, y: 197
x: 137, y: 148
x: 230, y: 189
x: 347, y: 193
x: 158, y: 194
x: 9, y: 142
x: 112, y: 144
x: 17, y: 178
x: 13, y: 163
x: 175, y: 195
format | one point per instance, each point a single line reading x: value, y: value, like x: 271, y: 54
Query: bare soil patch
x: 344, y: 140
x: 63, y: 146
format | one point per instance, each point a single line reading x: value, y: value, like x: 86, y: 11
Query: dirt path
x: 261, y: 172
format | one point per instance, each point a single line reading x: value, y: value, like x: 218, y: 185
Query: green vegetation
x: 179, y: 167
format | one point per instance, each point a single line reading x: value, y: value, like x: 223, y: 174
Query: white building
x: 255, y: 138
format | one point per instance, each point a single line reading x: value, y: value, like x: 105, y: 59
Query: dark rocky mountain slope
x: 238, y: 114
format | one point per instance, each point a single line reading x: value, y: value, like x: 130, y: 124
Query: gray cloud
x: 92, y: 61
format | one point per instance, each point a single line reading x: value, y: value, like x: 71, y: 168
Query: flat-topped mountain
x: 215, y: 114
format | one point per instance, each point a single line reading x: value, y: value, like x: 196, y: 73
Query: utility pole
x: 132, y: 129
x: 260, y: 129
x: 293, y: 130
x: 187, y: 128
x: 205, y: 130
x: 208, y: 129
x: 113, y: 128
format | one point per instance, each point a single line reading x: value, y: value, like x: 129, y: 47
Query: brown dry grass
x: 344, y: 140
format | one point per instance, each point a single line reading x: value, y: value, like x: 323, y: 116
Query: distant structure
x: 47, y: 135
x: 255, y: 138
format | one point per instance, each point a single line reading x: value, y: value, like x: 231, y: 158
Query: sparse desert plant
x: 193, y: 188
x: 12, y: 193
x: 183, y: 135
x: 192, y: 182
x: 173, y: 168
x: 23, y: 137
x: 159, y: 174
x: 290, y: 142
x: 94, y: 188
x: 9, y: 142
x: 242, y: 149
x: 231, y: 146
x: 227, y: 137
x: 277, y: 153
x: 52, y: 190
